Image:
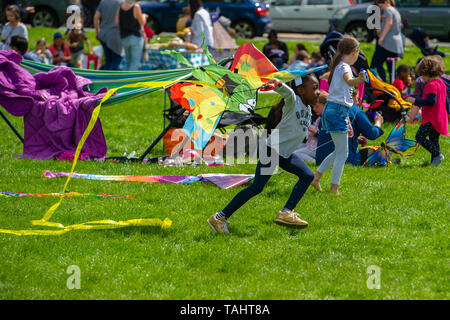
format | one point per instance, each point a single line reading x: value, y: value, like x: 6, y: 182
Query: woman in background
x: 107, y: 32
x: 201, y: 23
x: 131, y: 21
x: 390, y: 42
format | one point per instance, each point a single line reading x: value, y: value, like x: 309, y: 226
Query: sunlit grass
x: 395, y: 218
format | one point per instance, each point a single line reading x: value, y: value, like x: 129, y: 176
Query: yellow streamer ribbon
x: 92, y: 225
x: 103, y: 224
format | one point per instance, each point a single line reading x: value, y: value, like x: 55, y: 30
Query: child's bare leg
x: 316, y: 181
x: 334, y: 188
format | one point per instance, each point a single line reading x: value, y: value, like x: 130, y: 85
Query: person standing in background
x: 107, y: 32
x: 76, y: 39
x: 131, y: 20
x: 390, y: 42
x: 201, y: 23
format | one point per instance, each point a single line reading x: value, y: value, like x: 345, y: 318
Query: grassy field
x: 394, y: 218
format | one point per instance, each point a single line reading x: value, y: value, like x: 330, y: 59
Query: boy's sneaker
x: 219, y: 225
x: 436, y: 160
x: 290, y: 219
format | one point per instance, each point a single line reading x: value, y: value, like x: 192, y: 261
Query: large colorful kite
x: 235, y: 89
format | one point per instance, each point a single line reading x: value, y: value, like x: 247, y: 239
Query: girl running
x: 335, y: 116
x: 291, y: 130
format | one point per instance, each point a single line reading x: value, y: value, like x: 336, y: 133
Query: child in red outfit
x: 433, y: 103
x: 403, y: 82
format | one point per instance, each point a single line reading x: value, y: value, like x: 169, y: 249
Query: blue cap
x: 57, y: 35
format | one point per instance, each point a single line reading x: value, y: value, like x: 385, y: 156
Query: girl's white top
x: 294, y: 123
x: 202, y: 23
x: 340, y: 92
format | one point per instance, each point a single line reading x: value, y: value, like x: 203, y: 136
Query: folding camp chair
x: 16, y: 132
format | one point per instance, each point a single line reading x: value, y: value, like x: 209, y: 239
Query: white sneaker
x: 436, y: 160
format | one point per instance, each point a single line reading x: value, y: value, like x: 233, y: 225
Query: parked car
x: 308, y: 16
x: 47, y: 13
x: 249, y: 18
x: 431, y: 15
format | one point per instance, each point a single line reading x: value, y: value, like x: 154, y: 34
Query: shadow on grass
x: 424, y: 164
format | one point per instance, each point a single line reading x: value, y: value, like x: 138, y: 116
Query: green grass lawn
x: 395, y: 218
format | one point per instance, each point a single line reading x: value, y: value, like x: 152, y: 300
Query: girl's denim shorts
x: 334, y: 117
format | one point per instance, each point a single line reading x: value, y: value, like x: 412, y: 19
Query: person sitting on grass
x: 60, y: 51
x: 291, y: 130
x: 434, y: 50
x: 433, y: 104
x: 276, y: 50
x: 43, y: 52
x: 316, y: 61
x: 403, y: 82
x: 183, y: 23
x: 307, y: 150
x: 298, y: 47
x: 362, y: 130
x: 302, y: 61
x: 20, y: 45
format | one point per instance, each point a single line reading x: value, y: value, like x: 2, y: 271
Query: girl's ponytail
x: 346, y: 45
x: 336, y: 60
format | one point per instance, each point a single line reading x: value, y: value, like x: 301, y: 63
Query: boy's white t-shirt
x: 294, y: 123
x: 340, y: 92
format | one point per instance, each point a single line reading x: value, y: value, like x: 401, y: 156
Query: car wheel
x: 360, y: 31
x: 244, y: 29
x: 153, y: 24
x: 44, y: 17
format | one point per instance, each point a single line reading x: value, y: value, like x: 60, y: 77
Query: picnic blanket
x: 159, y: 61
x: 55, y: 109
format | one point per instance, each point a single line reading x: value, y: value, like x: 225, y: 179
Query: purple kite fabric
x: 55, y: 108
